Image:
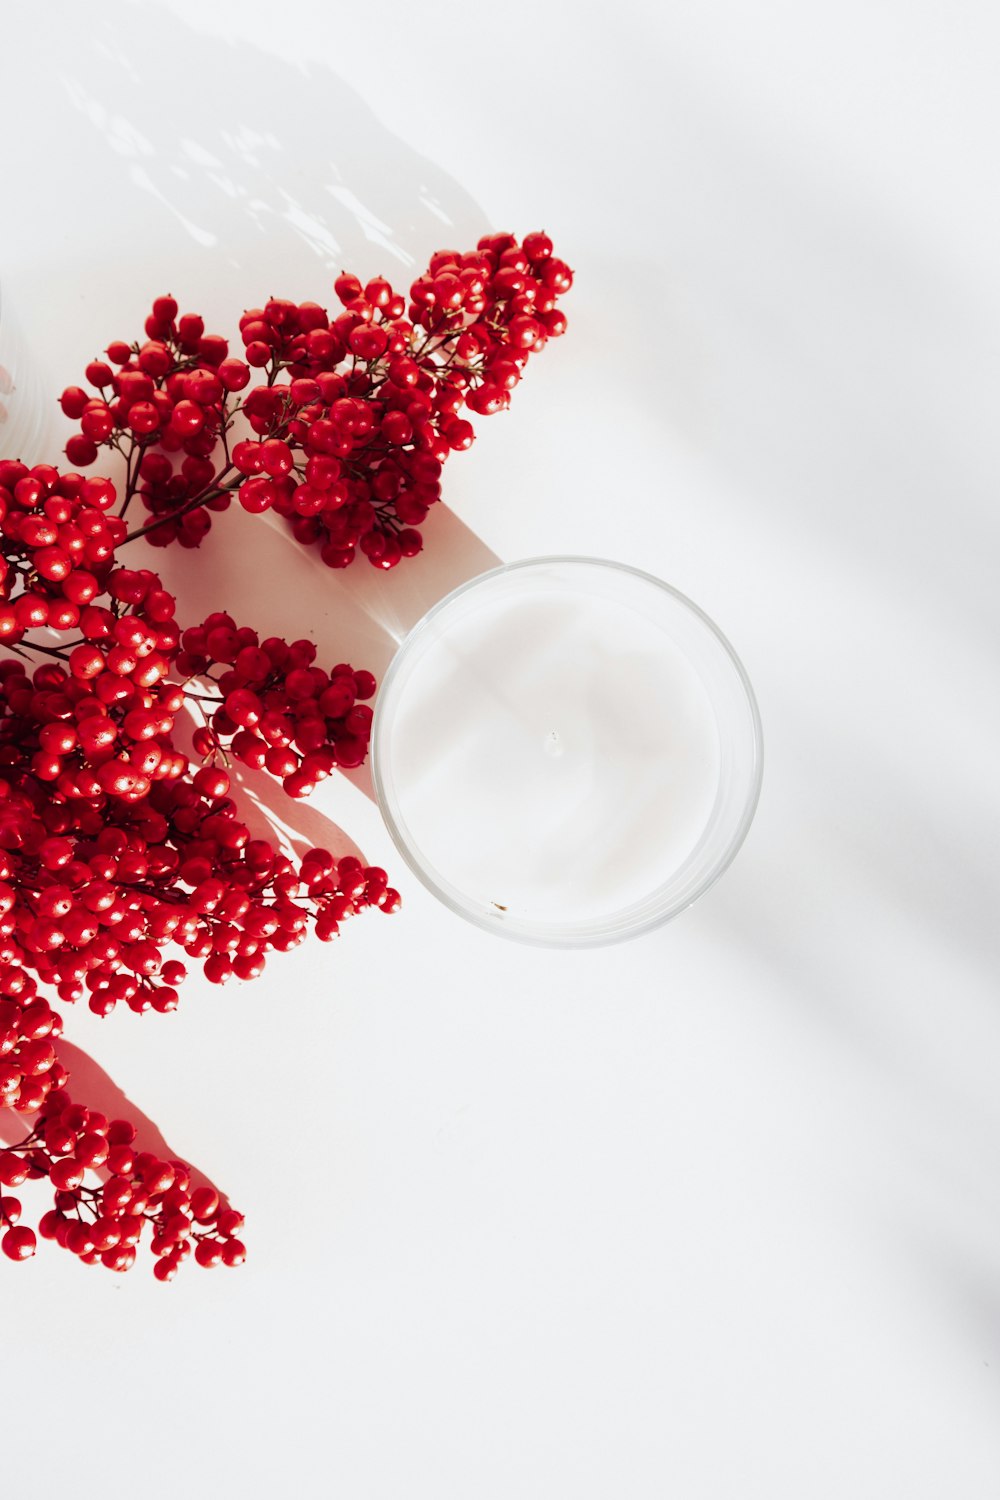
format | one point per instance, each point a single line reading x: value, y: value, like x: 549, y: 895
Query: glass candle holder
x: 566, y: 751
x: 24, y: 421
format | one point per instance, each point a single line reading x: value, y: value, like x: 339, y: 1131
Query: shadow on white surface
x: 96, y: 1089
x: 253, y: 166
x: 253, y: 567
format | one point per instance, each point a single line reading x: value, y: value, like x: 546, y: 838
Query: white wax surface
x: 556, y: 756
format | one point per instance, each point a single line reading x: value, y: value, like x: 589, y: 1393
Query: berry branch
x: 356, y: 414
x: 104, y: 1224
x: 114, y: 845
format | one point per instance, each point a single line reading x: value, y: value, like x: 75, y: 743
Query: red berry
x: 18, y: 1243
x: 537, y: 246
x: 204, y: 1204
x: 73, y: 401
x: 234, y: 374
x: 212, y: 782
x: 165, y: 309
x: 67, y: 1174
x: 13, y: 1169
x: 81, y: 451
x: 248, y: 457
x: 487, y: 399
x: 347, y: 287
x: 257, y: 495
x: 277, y: 457
x: 368, y: 342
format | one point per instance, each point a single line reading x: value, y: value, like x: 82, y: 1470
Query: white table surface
x: 715, y: 1214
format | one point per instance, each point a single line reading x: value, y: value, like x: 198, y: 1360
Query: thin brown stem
x: 194, y: 504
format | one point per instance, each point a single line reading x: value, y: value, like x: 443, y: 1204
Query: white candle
x: 549, y: 749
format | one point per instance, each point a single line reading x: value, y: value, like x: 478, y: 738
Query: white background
x: 713, y: 1214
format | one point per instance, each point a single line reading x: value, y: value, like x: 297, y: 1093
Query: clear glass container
x: 566, y: 751
x: 24, y: 413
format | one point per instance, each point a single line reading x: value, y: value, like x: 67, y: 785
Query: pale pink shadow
x: 255, y: 569
x: 90, y: 1086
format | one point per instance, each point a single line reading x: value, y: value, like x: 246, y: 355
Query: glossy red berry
x: 18, y: 1243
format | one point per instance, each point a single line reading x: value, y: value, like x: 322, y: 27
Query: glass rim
x: 627, y: 922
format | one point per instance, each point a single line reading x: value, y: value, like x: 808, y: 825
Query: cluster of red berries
x: 58, y: 542
x: 29, y: 1068
x: 354, y: 415
x: 113, y: 845
x: 87, y: 909
x: 102, y: 1221
x: 276, y: 710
